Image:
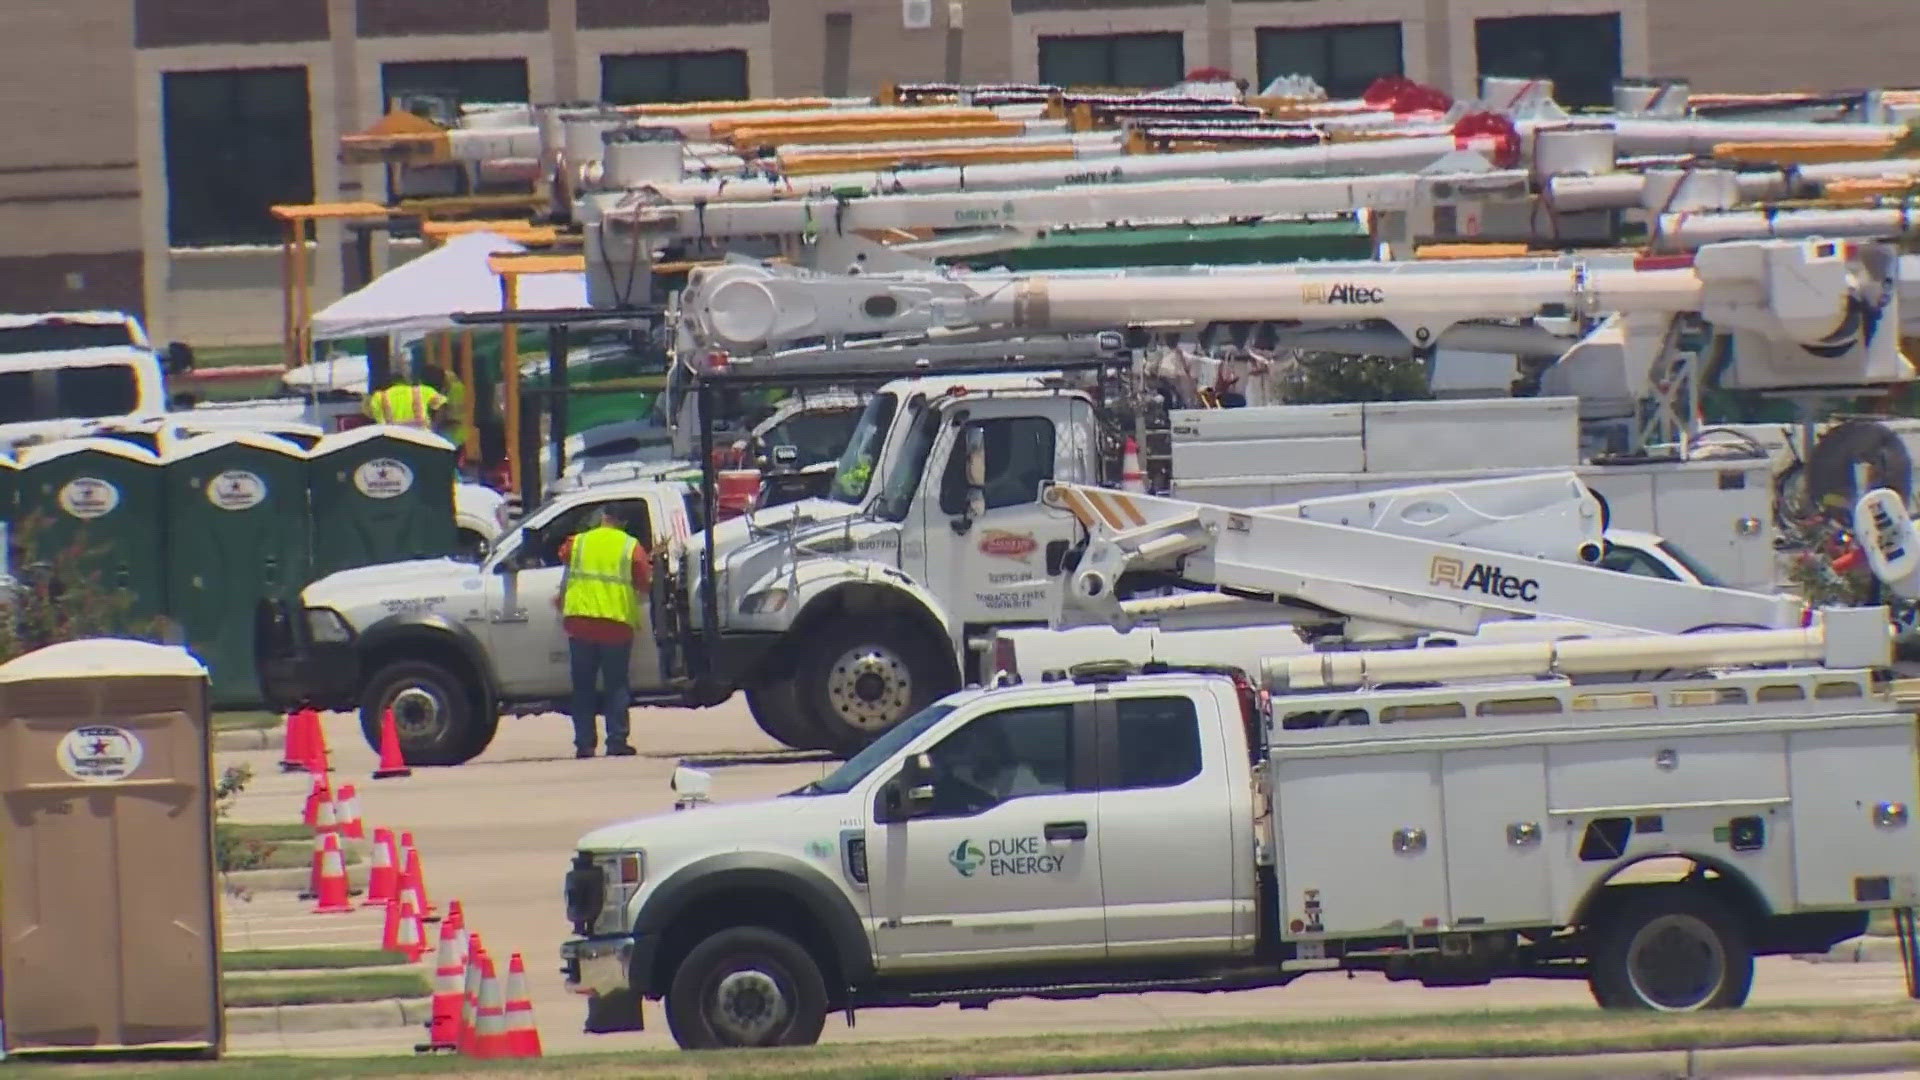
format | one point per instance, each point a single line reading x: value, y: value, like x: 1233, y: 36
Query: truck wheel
x: 746, y: 986
x: 431, y: 710
x: 1670, y: 950
x: 858, y: 679
x: 775, y: 706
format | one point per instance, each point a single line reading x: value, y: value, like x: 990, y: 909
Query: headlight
x: 325, y: 626
x: 598, y: 887
x: 764, y: 602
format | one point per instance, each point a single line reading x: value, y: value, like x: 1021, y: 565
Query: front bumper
x: 600, y: 966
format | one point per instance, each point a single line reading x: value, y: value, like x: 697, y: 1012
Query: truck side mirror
x: 179, y: 358
x: 909, y: 793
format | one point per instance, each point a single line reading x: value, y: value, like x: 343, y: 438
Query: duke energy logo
x: 967, y: 858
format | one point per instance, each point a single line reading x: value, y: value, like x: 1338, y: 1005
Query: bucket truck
x: 1447, y: 816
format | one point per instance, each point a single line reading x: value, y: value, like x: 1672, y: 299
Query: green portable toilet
x: 99, y: 498
x: 380, y: 494
x: 237, y: 533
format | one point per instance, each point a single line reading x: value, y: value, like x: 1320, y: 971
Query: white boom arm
x: 1803, y: 313
x: 1404, y: 568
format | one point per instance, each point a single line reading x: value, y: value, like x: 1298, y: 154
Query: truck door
x: 525, y: 639
x: 1004, y: 865
x: 992, y: 549
x: 1166, y: 828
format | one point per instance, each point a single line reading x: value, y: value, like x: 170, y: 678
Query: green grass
x: 307, y: 959
x: 267, y: 831
x: 249, y: 720
x: 1505, y: 1034
x: 292, y: 856
x: 326, y: 989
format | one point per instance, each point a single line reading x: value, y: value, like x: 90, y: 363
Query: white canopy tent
x: 423, y: 296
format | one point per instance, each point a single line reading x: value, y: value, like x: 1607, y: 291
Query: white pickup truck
x: 1121, y: 833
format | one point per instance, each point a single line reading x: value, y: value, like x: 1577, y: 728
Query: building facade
x: 148, y: 137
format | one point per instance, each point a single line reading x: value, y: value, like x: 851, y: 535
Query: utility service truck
x: 839, y: 631
x: 1450, y: 816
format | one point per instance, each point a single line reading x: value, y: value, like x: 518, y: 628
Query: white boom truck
x: 1448, y: 816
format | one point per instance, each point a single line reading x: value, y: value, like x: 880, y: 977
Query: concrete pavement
x: 497, y: 835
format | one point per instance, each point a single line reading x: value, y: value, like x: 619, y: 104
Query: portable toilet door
x: 380, y: 494
x: 238, y: 532
x: 94, y: 507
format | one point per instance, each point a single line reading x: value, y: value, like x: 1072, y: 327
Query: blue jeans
x: 599, y: 685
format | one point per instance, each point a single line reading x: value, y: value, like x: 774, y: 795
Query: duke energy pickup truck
x: 1120, y: 833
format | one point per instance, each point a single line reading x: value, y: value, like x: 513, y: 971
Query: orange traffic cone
x: 412, y: 942
x: 326, y: 817
x: 383, y: 881
x: 470, y: 996
x: 413, y: 885
x: 330, y: 891
x: 320, y: 792
x: 523, y: 1036
x: 294, y: 754
x: 1132, y: 476
x: 347, y: 810
x: 490, y: 1019
x: 449, y: 985
x: 316, y: 743
x: 392, y: 762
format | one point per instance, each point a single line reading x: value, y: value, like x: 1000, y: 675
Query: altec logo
x: 1344, y: 293
x: 1006, y: 545
x: 1485, y: 578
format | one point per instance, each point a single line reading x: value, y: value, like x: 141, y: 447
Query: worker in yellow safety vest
x: 409, y: 404
x: 602, y: 600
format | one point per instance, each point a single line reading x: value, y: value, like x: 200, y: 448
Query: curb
x: 1744, y: 1061
x: 292, y: 879
x: 1861, y: 950
x: 302, y: 1019
x: 250, y: 739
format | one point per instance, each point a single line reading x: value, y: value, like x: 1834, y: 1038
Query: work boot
x: 586, y: 751
x: 620, y: 750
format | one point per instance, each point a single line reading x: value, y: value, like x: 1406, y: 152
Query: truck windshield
x: 56, y: 335
x: 861, y: 765
x: 903, y: 476
x: 68, y: 393
x: 851, y: 479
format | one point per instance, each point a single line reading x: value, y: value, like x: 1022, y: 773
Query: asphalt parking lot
x: 497, y: 834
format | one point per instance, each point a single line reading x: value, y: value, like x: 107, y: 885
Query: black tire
x: 859, y: 677
x: 432, y: 710
x: 746, y: 986
x: 775, y: 706
x: 1670, y: 949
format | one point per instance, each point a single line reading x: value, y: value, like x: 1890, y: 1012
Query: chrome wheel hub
x: 1676, y: 963
x: 748, y: 1007
x: 870, y: 687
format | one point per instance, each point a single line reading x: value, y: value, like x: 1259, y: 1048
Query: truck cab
x: 840, y: 629
x: 447, y: 645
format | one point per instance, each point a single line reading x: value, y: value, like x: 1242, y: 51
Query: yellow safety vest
x: 456, y: 411
x: 600, y: 577
x: 405, y: 403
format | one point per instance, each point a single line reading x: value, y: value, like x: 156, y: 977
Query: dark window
x: 1118, y: 60
x: 54, y: 335
x: 422, y: 83
x: 1580, y: 53
x: 1019, y: 459
x: 1636, y: 562
x: 237, y: 143
x: 639, y: 78
x: 1000, y: 756
x: 1156, y: 744
x: 70, y: 393
x: 544, y: 549
x: 1344, y: 60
